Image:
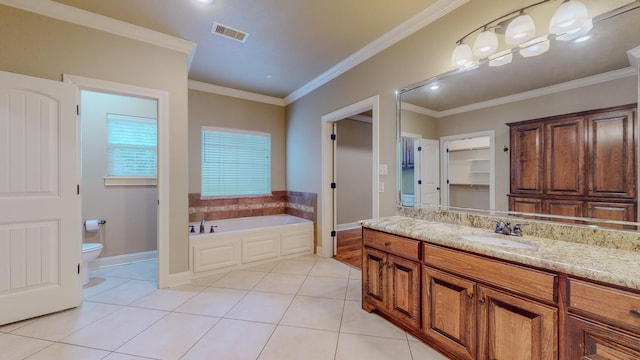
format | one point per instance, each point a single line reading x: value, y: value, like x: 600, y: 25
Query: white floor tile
x: 117, y: 356
x: 357, y: 321
x: 212, y: 302
x: 314, y: 313
x: 295, y: 267
x: 324, y: 287
x: 111, y: 332
x: 280, y: 283
x: 354, y: 290
x: 261, y: 307
x: 58, y: 325
x: 239, y: 279
x: 232, y: 340
x: 207, y: 280
x: 309, y: 257
x: 13, y: 347
x: 68, y: 352
x: 168, y: 299
x: 355, y: 274
x: 266, y: 267
x: 125, y: 293
x: 331, y: 268
x: 298, y: 343
x: 361, y: 347
x: 423, y: 352
x: 170, y: 337
x: 99, y: 285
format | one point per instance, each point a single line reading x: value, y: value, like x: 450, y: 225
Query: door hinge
x: 78, y: 268
x: 333, y: 137
x: 419, y: 182
x: 333, y: 185
x: 77, y: 109
x: 419, y: 148
x: 447, y: 181
x: 78, y: 189
x: 333, y: 233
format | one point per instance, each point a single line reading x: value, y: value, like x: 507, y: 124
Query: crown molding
x: 434, y: 12
x: 88, y: 19
x: 549, y: 90
x: 240, y: 94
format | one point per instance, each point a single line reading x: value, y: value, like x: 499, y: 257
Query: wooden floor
x: 350, y: 247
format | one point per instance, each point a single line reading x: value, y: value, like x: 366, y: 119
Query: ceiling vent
x: 229, y: 32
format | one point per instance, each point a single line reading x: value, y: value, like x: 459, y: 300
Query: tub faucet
x: 202, y: 226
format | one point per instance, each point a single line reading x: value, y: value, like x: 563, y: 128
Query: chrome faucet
x: 505, y: 228
x: 202, y: 226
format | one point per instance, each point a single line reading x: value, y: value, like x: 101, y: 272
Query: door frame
x: 444, y: 195
x: 162, y: 97
x: 326, y: 193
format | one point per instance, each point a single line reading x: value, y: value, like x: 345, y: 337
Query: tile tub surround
x: 581, y: 234
x: 294, y: 203
x: 606, y: 264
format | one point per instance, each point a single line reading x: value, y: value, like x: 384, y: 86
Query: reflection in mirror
x: 570, y: 78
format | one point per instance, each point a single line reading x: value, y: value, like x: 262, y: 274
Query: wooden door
x: 525, y: 205
x: 527, y: 162
x: 565, y: 157
x: 611, y: 156
x: 573, y: 208
x: 40, y: 223
x: 611, y: 211
x: 590, y: 340
x: 373, y: 278
x: 404, y: 290
x: 513, y: 328
x: 449, y: 312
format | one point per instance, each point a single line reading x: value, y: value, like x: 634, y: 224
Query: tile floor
x: 302, y: 308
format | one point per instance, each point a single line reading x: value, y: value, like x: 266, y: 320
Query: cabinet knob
x: 386, y: 243
x: 470, y: 296
x: 481, y: 301
x: 634, y: 313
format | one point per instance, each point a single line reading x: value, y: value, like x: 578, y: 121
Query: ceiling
x: 290, y: 42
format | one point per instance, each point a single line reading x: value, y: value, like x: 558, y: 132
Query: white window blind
x: 132, y: 146
x: 235, y: 162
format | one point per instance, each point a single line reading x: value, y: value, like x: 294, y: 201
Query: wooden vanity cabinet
x: 391, y: 276
x: 604, y: 322
x: 527, y: 159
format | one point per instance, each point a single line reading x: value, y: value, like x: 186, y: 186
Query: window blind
x: 132, y: 146
x: 235, y: 162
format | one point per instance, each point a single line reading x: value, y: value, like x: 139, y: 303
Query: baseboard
x: 179, y: 278
x: 348, y: 226
x: 123, y: 259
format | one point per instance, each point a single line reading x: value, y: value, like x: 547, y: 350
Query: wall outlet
x: 382, y: 169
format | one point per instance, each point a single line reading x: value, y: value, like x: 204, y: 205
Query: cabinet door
x: 373, y: 281
x: 514, y: 328
x: 449, y: 312
x: 590, y: 340
x: 565, y: 157
x: 525, y: 205
x: 404, y: 290
x: 564, y: 208
x: 611, y: 154
x: 527, y: 146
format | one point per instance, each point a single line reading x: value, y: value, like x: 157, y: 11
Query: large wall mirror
x: 454, y: 144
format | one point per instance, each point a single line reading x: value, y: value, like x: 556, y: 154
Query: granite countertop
x: 610, y: 265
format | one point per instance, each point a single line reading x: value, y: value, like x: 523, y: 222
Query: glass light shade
x: 535, y: 47
x: 570, y: 15
x: 501, y: 58
x: 486, y: 44
x: 461, y: 55
x: 575, y: 33
x: 519, y: 30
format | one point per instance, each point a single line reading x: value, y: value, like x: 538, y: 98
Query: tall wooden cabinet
x: 581, y: 165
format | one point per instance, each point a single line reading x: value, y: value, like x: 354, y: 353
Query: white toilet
x: 90, y: 252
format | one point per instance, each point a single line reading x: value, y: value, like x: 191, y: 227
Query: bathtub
x: 241, y: 242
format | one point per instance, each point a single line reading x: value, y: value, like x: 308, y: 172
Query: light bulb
x: 501, y: 58
x: 461, y: 55
x: 520, y: 30
x: 535, y: 47
x: 486, y: 44
x: 570, y: 15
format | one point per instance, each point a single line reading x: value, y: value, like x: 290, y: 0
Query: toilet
x: 90, y: 252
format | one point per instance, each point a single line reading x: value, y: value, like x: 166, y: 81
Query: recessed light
x: 434, y: 86
x: 269, y: 76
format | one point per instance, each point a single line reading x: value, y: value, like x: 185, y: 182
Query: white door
x: 429, y: 172
x: 40, y: 223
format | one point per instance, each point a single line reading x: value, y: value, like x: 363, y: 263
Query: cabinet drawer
x: 538, y: 284
x: 397, y: 245
x: 610, y: 305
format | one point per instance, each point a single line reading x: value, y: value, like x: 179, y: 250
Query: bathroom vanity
x: 573, y: 297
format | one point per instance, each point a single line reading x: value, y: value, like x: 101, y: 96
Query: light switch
x: 382, y: 169
x: 381, y: 186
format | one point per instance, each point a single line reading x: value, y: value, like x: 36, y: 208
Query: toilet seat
x: 86, y: 247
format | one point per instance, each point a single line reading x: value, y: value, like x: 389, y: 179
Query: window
x: 235, y: 162
x: 132, y: 146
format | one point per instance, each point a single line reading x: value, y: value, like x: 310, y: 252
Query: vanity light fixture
x: 569, y: 22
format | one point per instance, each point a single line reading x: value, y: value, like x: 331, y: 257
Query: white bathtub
x: 244, y: 241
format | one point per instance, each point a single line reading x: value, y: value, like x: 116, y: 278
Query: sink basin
x: 495, y: 241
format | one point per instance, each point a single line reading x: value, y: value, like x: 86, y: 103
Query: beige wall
x: 353, y: 168
x: 617, y: 92
x: 415, y: 123
x: 130, y: 211
x: 228, y: 112
x: 43, y: 47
